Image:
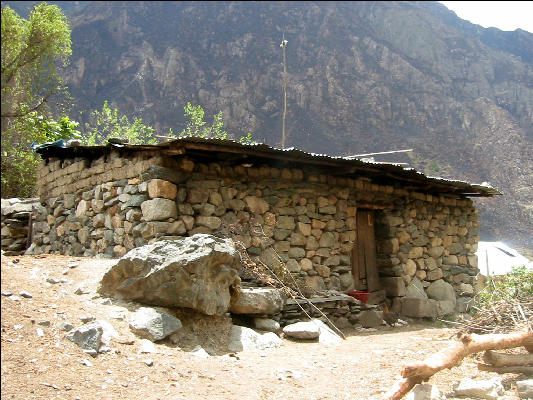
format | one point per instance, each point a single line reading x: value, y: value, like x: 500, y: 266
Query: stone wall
x: 302, y: 219
x: 427, y: 256
x: 16, y: 214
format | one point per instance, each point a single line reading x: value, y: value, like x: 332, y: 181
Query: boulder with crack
x: 198, y: 272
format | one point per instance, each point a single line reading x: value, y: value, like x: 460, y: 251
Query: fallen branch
x: 296, y: 288
x: 467, y: 344
x: 507, y: 360
x: 516, y: 369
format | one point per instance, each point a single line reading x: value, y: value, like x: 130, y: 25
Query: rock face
x: 198, y: 272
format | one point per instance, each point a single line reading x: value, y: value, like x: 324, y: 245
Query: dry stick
x: 298, y: 290
x: 453, y: 355
x: 313, y: 306
x: 524, y: 316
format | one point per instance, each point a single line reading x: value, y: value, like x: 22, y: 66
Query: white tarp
x: 496, y: 258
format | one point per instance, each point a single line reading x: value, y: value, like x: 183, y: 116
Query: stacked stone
x: 16, y: 215
x: 305, y: 222
x: 429, y: 255
x: 59, y: 176
x: 342, y: 310
x: 277, y: 216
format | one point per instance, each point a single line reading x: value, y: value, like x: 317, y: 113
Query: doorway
x: 364, y: 266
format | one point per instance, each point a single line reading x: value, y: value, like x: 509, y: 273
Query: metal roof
x: 384, y: 173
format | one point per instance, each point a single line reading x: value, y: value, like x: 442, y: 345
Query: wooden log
x: 453, y: 355
x: 516, y: 369
x: 507, y: 360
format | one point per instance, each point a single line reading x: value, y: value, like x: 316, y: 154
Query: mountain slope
x: 362, y: 77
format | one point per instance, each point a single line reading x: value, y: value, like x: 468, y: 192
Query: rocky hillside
x: 362, y: 77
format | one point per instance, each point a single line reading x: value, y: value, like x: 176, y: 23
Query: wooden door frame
x: 364, y: 258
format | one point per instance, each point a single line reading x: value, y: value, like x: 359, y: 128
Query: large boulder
x: 197, y: 272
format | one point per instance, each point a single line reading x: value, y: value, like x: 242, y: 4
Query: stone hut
x: 335, y: 223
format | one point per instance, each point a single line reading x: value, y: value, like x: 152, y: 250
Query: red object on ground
x: 359, y: 295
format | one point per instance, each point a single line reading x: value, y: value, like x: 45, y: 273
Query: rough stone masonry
x: 299, y: 217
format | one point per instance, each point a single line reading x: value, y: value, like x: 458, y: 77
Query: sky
x: 504, y: 15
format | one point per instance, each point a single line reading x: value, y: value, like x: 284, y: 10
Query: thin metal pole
x: 283, y: 137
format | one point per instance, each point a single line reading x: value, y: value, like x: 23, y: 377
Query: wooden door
x: 364, y: 266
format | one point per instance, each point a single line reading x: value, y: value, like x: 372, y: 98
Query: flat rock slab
x: 490, y: 389
x: 310, y: 330
x: 302, y: 330
x: 197, y: 272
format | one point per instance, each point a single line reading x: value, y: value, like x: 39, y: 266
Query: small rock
x: 91, y: 352
x: 40, y: 332
x: 284, y: 374
x: 7, y: 293
x: 64, y: 326
x: 371, y: 318
x: 72, y: 265
x: 147, y: 346
x: 87, y: 318
x: 17, y: 327
x: 88, y: 337
x: 104, y: 349
x: 65, y: 271
x: 525, y: 389
x: 198, y: 351
x: 44, y: 323
x: 490, y: 389
x: 50, y: 385
x: 425, y: 391
x: 81, y: 290
x: 243, y: 338
x: 53, y: 281
x: 15, y: 298
x: 25, y: 294
x: 153, y: 324
x: 266, y: 324
x: 87, y: 363
x: 148, y: 362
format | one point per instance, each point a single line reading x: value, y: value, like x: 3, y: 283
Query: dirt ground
x: 39, y: 362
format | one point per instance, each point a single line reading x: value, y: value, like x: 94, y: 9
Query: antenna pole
x: 283, y: 137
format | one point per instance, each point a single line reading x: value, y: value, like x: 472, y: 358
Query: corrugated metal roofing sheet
x: 261, y: 150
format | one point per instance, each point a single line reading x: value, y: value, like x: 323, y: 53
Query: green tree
x: 32, y: 52
x: 248, y: 139
x: 109, y: 124
x: 197, y: 126
x: 18, y: 161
